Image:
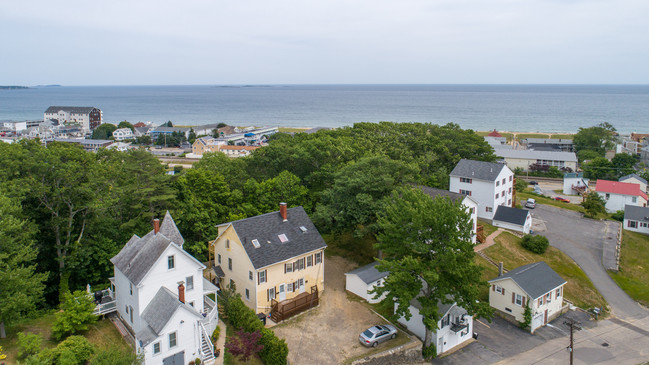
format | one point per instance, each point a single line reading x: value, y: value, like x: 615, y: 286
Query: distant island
x: 12, y: 87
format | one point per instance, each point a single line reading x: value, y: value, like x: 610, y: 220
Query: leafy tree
x: 104, y: 131
x: 599, y: 168
x: 536, y: 244
x: 520, y: 185
x: 266, y: 196
x: 28, y: 344
x: 245, y: 344
x: 618, y: 216
x: 168, y: 124
x: 430, y: 257
x: 192, y: 136
x: 125, y: 124
x: 623, y: 164
x: 74, y: 350
x: 594, y: 204
x: 359, y: 192
x: 75, y: 315
x: 221, y: 125
x: 21, y: 286
x: 143, y: 140
x: 597, y: 139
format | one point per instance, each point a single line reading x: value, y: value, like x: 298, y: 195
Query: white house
x: 574, y: 183
x: 453, y: 329
x: 636, y: 219
x: 619, y: 194
x: 162, y: 297
x: 489, y: 184
x: 515, y: 219
x: 468, y: 202
x: 88, y: 118
x: 364, y: 279
x: 635, y: 179
x: 536, y: 285
x: 122, y: 134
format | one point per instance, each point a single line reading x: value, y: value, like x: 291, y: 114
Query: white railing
x: 105, y: 307
x: 211, y: 318
x: 205, y: 340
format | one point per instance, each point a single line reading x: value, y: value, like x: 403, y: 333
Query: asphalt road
x: 589, y: 242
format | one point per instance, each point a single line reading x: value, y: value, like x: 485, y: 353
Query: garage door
x: 537, y: 321
x: 177, y: 359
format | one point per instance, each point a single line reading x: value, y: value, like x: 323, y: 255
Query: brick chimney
x: 181, y: 291
x: 156, y: 226
x: 282, y: 211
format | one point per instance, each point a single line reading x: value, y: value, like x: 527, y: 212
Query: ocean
x: 522, y: 108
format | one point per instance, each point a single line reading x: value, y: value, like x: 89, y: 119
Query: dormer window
x: 171, y: 262
x: 255, y: 243
x: 283, y: 238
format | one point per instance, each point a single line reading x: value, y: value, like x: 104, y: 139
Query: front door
x: 301, y: 285
x: 440, y: 345
x: 176, y: 359
x: 282, y: 292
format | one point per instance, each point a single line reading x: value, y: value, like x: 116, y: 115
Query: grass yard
x: 292, y: 130
x: 633, y: 276
x: 488, y: 228
x: 360, y: 250
x: 102, y: 334
x: 490, y: 271
x: 579, y: 289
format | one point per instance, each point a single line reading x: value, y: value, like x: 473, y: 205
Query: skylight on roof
x: 255, y: 243
x: 283, y: 238
x: 303, y: 229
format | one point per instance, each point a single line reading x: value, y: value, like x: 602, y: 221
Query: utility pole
x: 574, y: 325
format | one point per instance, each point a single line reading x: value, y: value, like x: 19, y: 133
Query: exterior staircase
x: 207, y: 348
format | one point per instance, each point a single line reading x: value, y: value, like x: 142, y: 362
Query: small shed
x: 515, y: 219
x: 364, y: 279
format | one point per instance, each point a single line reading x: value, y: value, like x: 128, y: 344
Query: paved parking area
x: 501, y: 339
x: 590, y: 243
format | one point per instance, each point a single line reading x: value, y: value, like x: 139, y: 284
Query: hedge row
x: 275, y: 350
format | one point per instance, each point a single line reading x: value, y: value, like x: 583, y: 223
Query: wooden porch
x: 288, y: 308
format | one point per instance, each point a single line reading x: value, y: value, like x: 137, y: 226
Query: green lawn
x: 488, y: 228
x: 102, y: 334
x: 490, y: 271
x: 549, y: 201
x: 292, y: 130
x: 579, y: 289
x: 633, y: 276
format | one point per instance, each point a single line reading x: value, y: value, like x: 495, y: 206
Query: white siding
x: 516, y: 227
x: 126, y: 299
x: 357, y: 286
x: 616, y: 202
x: 641, y: 227
x: 185, y: 325
x: 484, y: 192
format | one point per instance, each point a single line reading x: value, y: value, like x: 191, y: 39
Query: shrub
x: 275, y: 351
x: 618, y: 216
x: 215, y: 334
x: 28, y: 344
x: 75, y: 350
x: 428, y: 352
x: 527, y: 317
x: 244, y: 345
x: 75, y: 315
x: 536, y: 244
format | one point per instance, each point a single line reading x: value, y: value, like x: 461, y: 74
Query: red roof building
x: 494, y: 134
x: 619, y: 194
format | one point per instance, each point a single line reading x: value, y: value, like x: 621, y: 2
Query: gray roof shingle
x: 70, y: 109
x: 635, y: 213
x: 267, y: 227
x: 536, y: 279
x: 369, y: 273
x: 511, y: 215
x: 158, y: 312
x: 477, y: 169
x: 433, y: 193
x: 139, y: 254
x: 631, y: 176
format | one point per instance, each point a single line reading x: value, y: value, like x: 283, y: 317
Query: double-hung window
x: 172, y: 340
x: 229, y: 263
x: 519, y: 300
x: 171, y: 262
x: 262, y: 277
x: 318, y: 257
x: 189, y: 283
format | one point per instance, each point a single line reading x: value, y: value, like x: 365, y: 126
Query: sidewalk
x: 612, y: 342
x: 220, y: 343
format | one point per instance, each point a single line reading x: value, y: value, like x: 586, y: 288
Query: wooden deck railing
x: 288, y: 308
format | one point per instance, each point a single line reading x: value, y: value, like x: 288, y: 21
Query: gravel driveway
x: 589, y: 242
x: 329, y: 333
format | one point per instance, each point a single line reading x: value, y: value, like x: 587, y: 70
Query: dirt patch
x: 329, y: 333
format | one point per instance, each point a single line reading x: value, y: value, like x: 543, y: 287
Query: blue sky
x: 125, y: 42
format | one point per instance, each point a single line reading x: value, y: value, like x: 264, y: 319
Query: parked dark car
x: 377, y: 334
x: 533, y: 182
